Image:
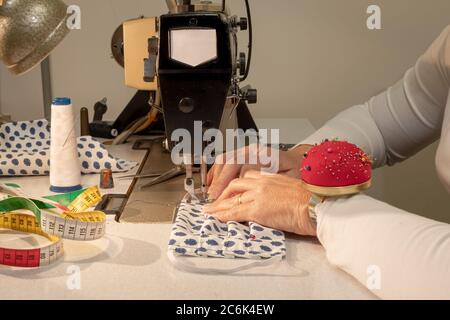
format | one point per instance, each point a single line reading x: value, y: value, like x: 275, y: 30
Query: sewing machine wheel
x: 117, y: 46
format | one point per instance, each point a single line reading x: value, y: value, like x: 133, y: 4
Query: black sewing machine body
x: 196, y: 92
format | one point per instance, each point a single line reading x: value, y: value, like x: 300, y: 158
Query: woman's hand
x: 274, y: 201
x: 227, y: 168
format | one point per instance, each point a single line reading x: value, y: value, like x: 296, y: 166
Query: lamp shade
x: 29, y: 31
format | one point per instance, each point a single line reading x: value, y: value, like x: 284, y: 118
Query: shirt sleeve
x: 397, y: 255
x: 394, y: 253
x: 398, y: 123
x: 443, y: 153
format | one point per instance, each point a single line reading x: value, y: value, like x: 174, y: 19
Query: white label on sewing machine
x: 193, y: 46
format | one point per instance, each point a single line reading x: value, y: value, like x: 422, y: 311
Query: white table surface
x: 130, y: 262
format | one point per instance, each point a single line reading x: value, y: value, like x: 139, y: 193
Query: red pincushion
x: 336, y: 164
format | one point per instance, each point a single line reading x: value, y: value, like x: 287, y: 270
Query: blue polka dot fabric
x: 197, y: 235
x: 25, y: 151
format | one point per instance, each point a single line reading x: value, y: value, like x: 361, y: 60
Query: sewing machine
x: 189, y: 60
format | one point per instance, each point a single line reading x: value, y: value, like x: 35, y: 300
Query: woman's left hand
x: 274, y: 201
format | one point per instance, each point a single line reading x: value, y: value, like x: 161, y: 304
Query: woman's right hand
x: 227, y: 167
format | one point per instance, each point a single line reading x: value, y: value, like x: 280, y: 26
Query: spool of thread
x: 65, y: 173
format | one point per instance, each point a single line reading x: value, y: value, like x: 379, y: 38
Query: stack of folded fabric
x: 25, y: 151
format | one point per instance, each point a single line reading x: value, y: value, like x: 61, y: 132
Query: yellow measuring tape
x: 73, y: 224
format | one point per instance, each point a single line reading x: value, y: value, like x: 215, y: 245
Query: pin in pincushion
x: 336, y: 168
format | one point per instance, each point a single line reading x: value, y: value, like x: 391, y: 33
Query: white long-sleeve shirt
x: 398, y: 254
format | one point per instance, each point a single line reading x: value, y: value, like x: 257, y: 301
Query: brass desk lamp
x: 29, y: 31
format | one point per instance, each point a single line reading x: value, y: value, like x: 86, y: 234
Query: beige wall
x: 312, y: 59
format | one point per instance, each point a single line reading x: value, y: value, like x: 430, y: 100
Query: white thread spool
x: 65, y: 172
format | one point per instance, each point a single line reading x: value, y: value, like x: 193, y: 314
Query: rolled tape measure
x: 86, y: 226
x: 28, y: 258
x: 71, y: 223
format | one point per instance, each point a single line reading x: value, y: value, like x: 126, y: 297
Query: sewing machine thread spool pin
x: 84, y: 122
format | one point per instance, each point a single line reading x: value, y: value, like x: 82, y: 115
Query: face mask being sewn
x: 197, y: 235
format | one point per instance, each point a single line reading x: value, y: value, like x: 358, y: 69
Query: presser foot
x: 197, y: 195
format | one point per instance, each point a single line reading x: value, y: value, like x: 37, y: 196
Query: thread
x: 65, y: 172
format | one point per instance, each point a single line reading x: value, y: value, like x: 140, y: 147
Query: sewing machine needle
x: 204, y: 176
